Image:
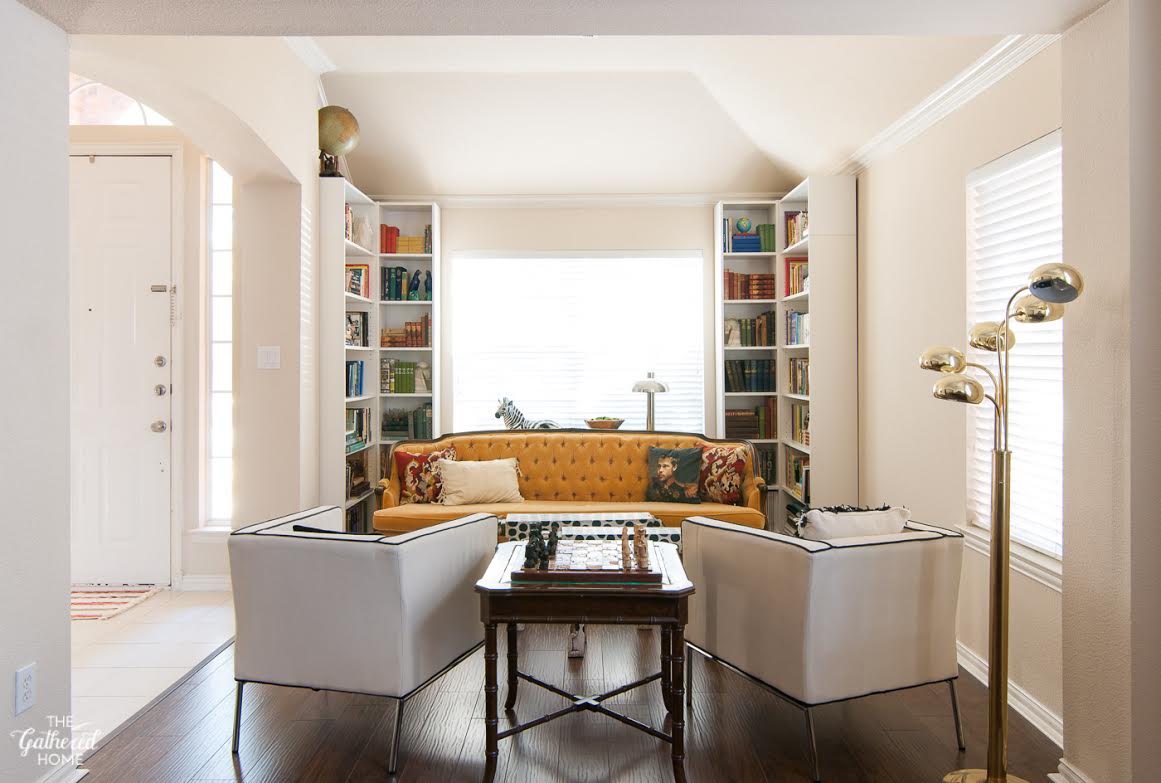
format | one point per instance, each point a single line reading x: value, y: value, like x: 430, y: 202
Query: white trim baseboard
x: 1024, y: 560
x: 1048, y: 722
x: 1069, y: 774
x: 206, y: 583
x: 64, y: 774
x: 999, y: 61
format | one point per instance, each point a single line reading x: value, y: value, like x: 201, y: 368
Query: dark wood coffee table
x: 665, y: 605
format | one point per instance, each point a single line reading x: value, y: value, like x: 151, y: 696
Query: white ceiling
x: 673, y: 114
x: 564, y: 17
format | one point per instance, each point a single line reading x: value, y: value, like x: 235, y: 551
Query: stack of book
x: 797, y: 227
x: 800, y: 423
x: 399, y: 377
x: 388, y: 238
x: 760, y: 422
x: 767, y: 466
x: 739, y: 285
x: 413, y: 334
x: 745, y: 243
x: 797, y: 276
x: 798, y: 375
x: 397, y: 283
x: 427, y: 238
x: 355, y: 378
x: 358, y: 481
x: 766, y: 234
x: 797, y: 328
x: 357, y: 429
x: 752, y: 331
x: 749, y: 375
x: 798, y: 474
x: 412, y: 245
x: 413, y: 424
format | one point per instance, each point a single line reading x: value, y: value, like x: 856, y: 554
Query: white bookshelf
x: 336, y: 251
x: 832, y: 403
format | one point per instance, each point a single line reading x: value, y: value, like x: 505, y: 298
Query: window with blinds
x: 1014, y: 224
x: 565, y: 336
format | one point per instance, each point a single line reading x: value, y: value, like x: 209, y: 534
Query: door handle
x: 158, y: 426
x: 159, y: 361
x: 160, y: 390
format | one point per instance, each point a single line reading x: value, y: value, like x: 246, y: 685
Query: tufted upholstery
x: 593, y: 469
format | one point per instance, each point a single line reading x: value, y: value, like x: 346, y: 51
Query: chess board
x: 596, y: 562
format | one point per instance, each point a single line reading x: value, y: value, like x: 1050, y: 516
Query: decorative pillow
x: 674, y: 475
x: 722, y: 468
x: 487, y: 481
x: 418, y: 478
x: 822, y: 525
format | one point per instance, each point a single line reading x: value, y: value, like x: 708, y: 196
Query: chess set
x: 630, y: 560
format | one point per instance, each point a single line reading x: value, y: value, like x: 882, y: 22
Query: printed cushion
x: 722, y: 469
x: 419, y: 481
x: 674, y: 475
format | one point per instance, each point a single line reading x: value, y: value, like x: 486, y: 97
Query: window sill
x: 209, y: 534
x: 1042, y: 568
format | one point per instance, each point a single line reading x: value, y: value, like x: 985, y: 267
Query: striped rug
x: 101, y: 603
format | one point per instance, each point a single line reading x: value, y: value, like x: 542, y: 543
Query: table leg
x: 677, y: 706
x: 666, y: 671
x: 491, y: 717
x: 510, y: 702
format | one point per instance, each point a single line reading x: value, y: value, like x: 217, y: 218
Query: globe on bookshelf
x: 743, y: 225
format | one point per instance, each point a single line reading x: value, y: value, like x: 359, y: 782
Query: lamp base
x: 978, y: 776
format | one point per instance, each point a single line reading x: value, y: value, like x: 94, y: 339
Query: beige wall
x: 34, y: 399
x: 588, y: 228
x: 912, y: 294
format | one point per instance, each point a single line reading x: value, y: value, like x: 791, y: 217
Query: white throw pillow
x: 826, y: 525
x: 487, y: 481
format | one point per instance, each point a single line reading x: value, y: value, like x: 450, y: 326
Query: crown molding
x: 593, y: 201
x: 1069, y: 774
x: 999, y: 61
x: 1048, y: 722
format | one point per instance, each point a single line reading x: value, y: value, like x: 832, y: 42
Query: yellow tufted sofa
x: 582, y: 471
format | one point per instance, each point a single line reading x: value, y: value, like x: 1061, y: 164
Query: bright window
x: 93, y: 103
x: 565, y: 336
x: 1014, y: 224
x: 220, y: 321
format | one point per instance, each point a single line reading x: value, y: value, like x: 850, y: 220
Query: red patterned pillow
x: 722, y: 469
x: 419, y: 480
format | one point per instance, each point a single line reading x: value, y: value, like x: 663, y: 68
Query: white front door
x: 120, y: 243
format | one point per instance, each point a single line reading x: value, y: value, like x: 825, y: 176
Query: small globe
x: 338, y: 130
x: 743, y: 225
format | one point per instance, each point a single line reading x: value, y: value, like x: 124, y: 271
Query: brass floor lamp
x: 1049, y: 288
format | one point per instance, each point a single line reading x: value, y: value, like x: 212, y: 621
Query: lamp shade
x: 1056, y: 283
x: 959, y: 388
x: 650, y: 385
x: 942, y: 358
x: 1031, y: 310
x: 989, y: 336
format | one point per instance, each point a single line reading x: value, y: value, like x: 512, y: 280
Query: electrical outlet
x: 25, y: 687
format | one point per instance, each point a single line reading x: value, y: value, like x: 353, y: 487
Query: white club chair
x: 820, y: 622
x: 358, y: 613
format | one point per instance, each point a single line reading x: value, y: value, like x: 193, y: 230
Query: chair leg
x: 237, y: 717
x: 813, y: 746
x: 955, y: 711
x: 395, y: 738
x: 688, y: 676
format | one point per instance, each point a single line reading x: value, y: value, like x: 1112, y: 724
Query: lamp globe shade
x: 959, y: 388
x: 942, y: 358
x: 1031, y: 310
x: 989, y: 336
x: 1056, y: 283
x: 338, y: 131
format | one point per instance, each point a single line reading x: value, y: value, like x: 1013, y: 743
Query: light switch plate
x: 269, y: 357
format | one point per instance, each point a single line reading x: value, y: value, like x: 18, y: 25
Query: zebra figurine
x: 515, y: 420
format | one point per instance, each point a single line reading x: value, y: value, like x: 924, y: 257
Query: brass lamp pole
x: 1049, y: 288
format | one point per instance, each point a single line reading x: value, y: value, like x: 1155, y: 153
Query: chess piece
x: 641, y: 547
x: 531, y: 554
x: 626, y: 562
x: 553, y: 539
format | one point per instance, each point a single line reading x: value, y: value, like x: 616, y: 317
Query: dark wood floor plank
x: 735, y: 731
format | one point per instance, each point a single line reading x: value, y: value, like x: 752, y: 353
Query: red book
x: 382, y: 237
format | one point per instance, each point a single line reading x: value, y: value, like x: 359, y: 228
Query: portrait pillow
x: 484, y: 481
x: 674, y: 475
x: 419, y: 481
x: 722, y: 470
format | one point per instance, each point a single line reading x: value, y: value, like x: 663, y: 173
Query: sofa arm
x: 388, y: 491
x: 752, y: 488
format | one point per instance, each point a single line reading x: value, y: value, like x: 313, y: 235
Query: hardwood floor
x: 737, y: 732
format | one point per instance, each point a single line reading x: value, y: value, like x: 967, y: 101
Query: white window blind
x: 1014, y: 224
x: 565, y: 336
